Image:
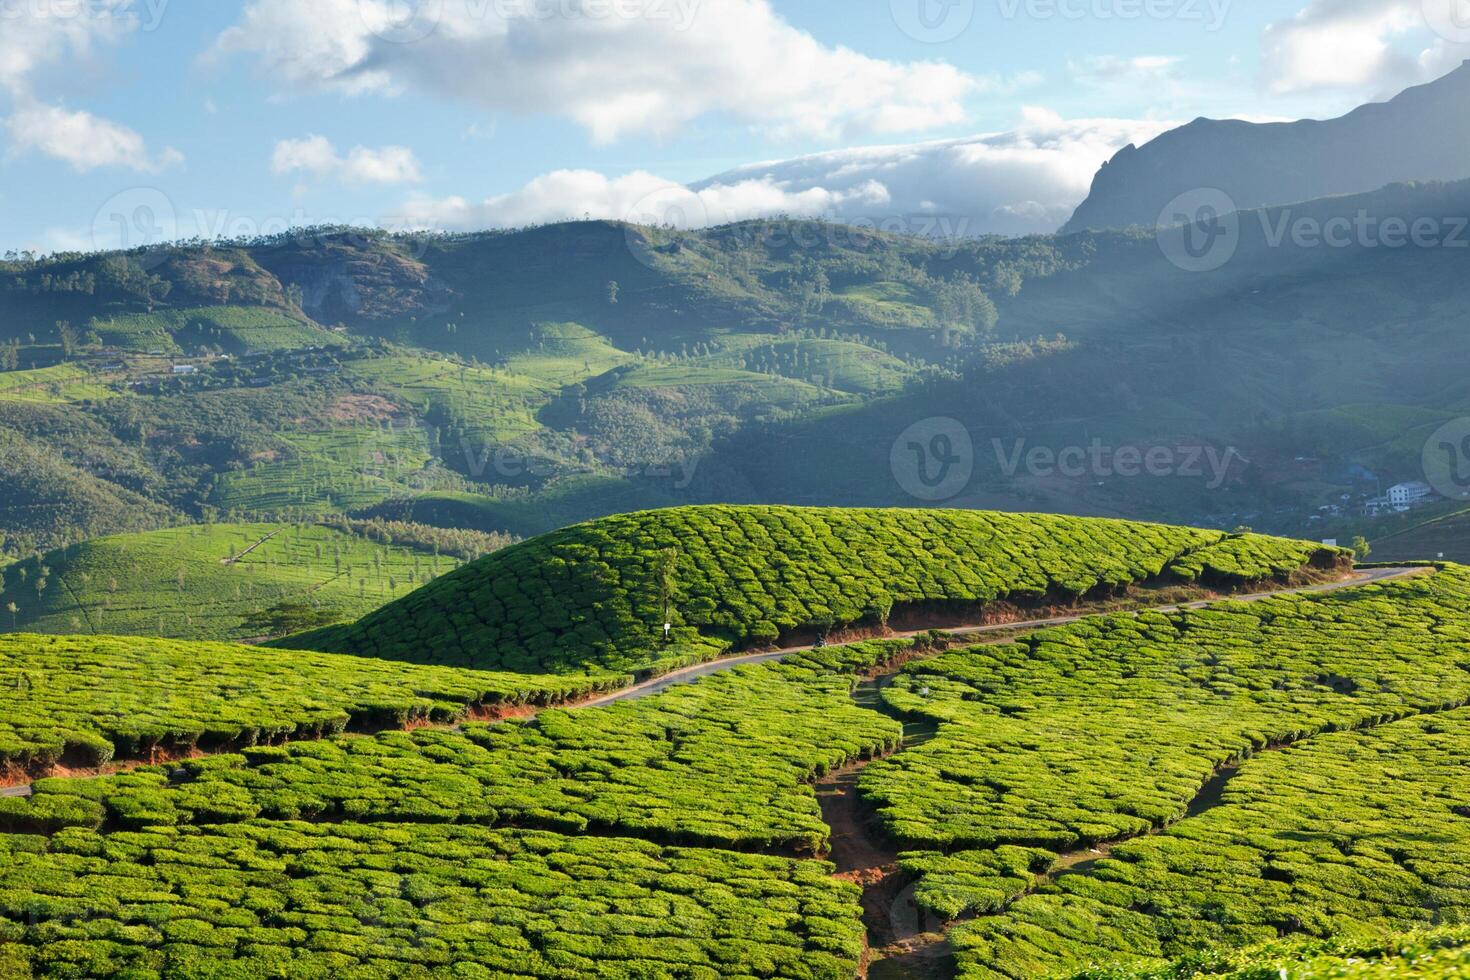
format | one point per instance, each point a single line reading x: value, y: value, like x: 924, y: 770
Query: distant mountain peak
x: 1423, y: 133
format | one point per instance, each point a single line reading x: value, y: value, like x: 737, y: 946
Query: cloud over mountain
x: 1021, y: 182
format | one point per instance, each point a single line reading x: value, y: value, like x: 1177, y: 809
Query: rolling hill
x: 221, y: 582
x: 599, y: 594
x: 522, y: 381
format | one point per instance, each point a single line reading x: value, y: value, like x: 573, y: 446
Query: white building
x: 1409, y: 494
x: 185, y: 369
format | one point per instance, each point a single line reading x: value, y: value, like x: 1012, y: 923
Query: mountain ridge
x: 1419, y: 135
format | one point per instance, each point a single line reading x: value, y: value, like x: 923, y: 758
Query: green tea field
x: 1266, y: 782
x: 214, y: 582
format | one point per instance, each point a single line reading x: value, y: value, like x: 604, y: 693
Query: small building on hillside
x: 1409, y: 494
x: 183, y: 369
x: 1399, y: 498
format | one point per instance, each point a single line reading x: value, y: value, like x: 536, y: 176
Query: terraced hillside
x: 228, y: 581
x: 85, y: 701
x: 731, y: 577
x: 562, y: 843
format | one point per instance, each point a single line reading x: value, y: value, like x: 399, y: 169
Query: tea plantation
x: 1273, y: 785
x: 1107, y: 730
x: 727, y: 762
x: 380, y: 902
x: 205, y: 583
x: 1354, y: 833
x: 599, y: 594
x: 1432, y: 953
x: 89, y: 700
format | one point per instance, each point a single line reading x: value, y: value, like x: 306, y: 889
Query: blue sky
x: 234, y: 116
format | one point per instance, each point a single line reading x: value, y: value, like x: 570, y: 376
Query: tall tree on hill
x: 70, y: 337
x: 668, y: 567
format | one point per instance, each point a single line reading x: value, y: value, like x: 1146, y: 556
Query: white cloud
x: 316, y: 157
x: 638, y: 66
x: 1022, y: 182
x: 641, y: 197
x: 1111, y: 69
x: 37, y: 35
x: 83, y: 140
x: 1370, y: 47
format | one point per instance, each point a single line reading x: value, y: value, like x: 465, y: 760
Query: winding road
x: 688, y: 675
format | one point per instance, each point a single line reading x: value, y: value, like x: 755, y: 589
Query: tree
x: 612, y: 292
x: 14, y: 611
x: 668, y: 567
x: 286, y: 618
x: 1361, y: 548
x: 71, y: 338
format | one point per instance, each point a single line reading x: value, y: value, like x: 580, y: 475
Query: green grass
x: 838, y: 364
x: 560, y: 354
x: 484, y: 404
x: 329, y: 471
x: 235, y: 329
x: 64, y: 384
x: 599, y: 594
x: 889, y: 304
x: 89, y: 700
x: 374, y: 902
x: 181, y: 583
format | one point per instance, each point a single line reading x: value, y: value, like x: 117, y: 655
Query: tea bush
x: 89, y: 700
x: 726, y: 762
x: 1351, y: 834
x: 1109, y: 727
x: 1430, y: 954
x: 599, y: 594
x: 372, y: 902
